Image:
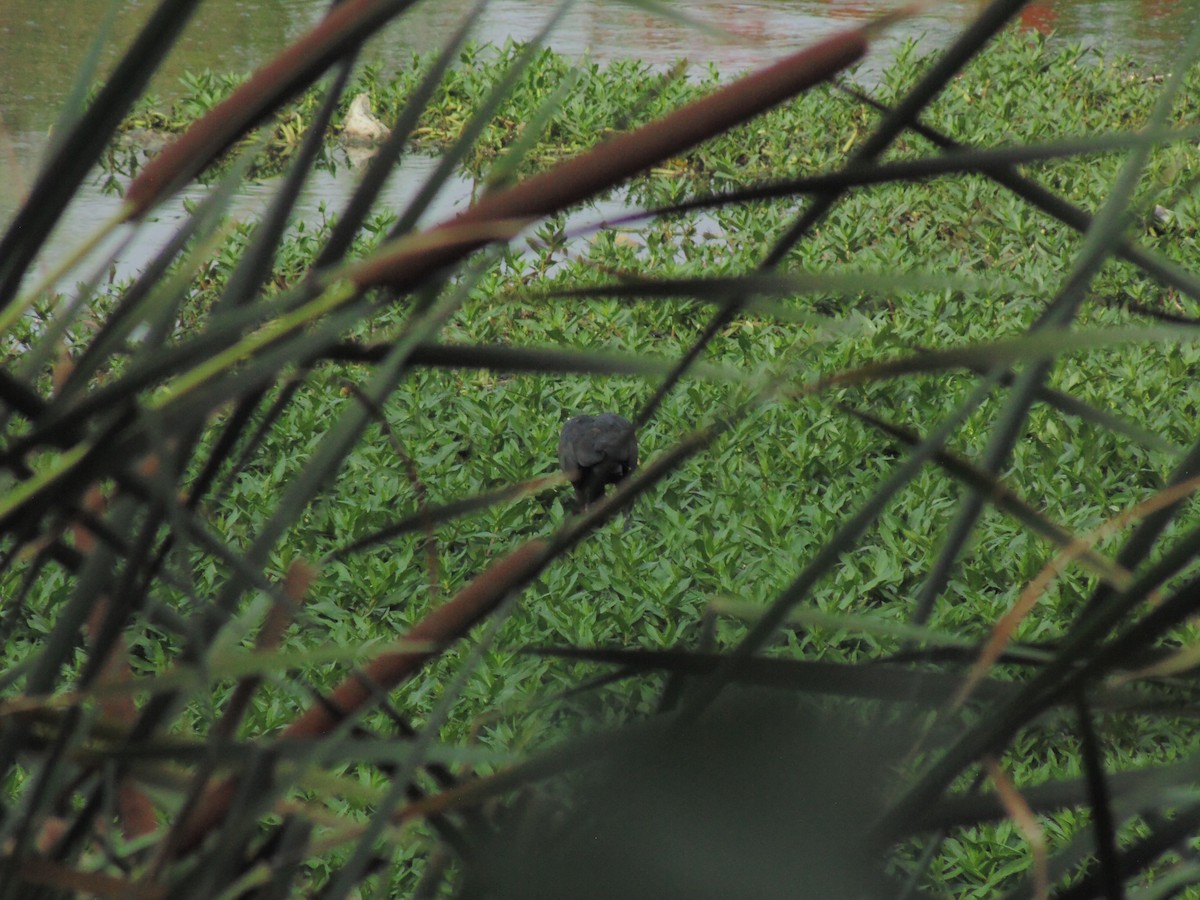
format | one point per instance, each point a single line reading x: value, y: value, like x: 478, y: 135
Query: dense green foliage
x: 924, y: 264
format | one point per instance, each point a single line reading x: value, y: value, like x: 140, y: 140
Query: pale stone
x: 360, y: 125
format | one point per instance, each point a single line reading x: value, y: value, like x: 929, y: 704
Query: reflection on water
x: 324, y: 193
x: 43, y: 41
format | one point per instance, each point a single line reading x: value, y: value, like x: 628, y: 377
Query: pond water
x: 42, y: 42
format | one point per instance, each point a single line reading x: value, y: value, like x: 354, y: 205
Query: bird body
x: 596, y: 451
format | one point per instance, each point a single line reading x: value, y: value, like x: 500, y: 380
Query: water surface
x: 43, y: 41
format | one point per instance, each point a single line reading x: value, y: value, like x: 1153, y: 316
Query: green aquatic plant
x: 294, y: 598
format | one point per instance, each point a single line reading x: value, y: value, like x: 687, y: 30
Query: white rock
x: 360, y: 125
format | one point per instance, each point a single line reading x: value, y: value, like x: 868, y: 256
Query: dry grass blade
x: 1177, y: 663
x: 296, y: 583
x: 46, y: 873
x: 1004, y: 629
x: 435, y: 515
x: 339, y: 32
x: 559, y: 759
x: 1004, y: 498
x: 514, y: 358
x: 616, y: 159
x: 1022, y: 816
x: 134, y: 809
x: 444, y: 624
x: 1057, y: 206
x: 1032, y: 348
x: 447, y: 623
x: 879, y: 681
x: 432, y: 563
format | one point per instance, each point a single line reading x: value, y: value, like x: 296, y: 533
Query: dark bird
x: 596, y: 451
